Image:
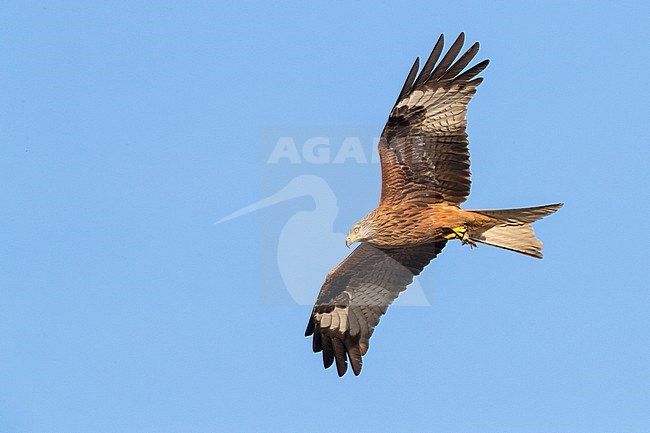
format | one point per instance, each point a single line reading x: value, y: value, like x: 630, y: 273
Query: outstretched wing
x: 423, y: 147
x: 356, y: 294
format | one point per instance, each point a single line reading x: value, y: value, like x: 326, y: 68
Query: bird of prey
x: 425, y: 178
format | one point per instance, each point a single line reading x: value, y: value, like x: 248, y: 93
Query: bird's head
x: 362, y: 231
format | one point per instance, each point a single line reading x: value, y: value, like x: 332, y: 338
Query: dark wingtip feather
x: 409, y: 79
x: 431, y: 62
x: 328, y: 352
x: 460, y: 64
x: 449, y: 58
x: 473, y: 71
x: 340, y: 355
x: 310, y: 327
x: 317, y: 345
x: 355, y: 359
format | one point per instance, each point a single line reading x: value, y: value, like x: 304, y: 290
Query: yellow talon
x: 458, y: 233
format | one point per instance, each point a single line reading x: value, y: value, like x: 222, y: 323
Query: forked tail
x: 513, y: 230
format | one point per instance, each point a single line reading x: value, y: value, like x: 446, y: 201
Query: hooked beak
x: 348, y: 241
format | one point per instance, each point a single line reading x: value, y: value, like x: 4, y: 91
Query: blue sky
x: 127, y: 129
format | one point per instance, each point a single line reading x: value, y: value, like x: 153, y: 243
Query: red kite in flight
x: 425, y: 178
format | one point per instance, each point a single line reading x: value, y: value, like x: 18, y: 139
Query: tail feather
x: 513, y: 230
x: 522, y: 215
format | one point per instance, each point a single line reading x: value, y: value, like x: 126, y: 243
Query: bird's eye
x: 356, y: 229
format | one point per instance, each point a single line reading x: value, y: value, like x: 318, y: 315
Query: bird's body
x: 425, y: 178
x: 418, y: 222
